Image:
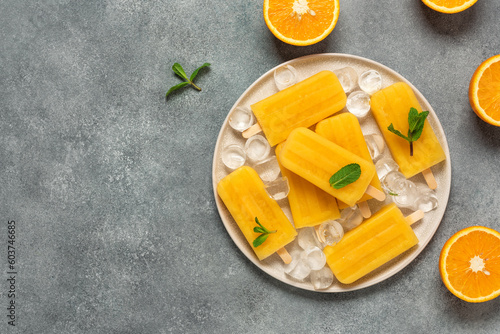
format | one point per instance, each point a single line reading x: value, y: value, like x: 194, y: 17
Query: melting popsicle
x: 244, y: 195
x: 300, y: 105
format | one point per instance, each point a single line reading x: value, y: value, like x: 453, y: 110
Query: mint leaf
x: 416, y: 122
x: 412, y: 119
x: 345, y: 176
x: 257, y: 229
x: 260, y: 240
x: 177, y: 68
x: 195, y: 73
x: 182, y: 84
x: 420, y: 125
x: 391, y: 128
x: 264, y: 233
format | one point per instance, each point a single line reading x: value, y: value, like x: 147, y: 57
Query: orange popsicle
x: 300, y: 105
x: 391, y: 105
x: 309, y: 204
x: 378, y: 240
x: 245, y: 197
x: 316, y: 159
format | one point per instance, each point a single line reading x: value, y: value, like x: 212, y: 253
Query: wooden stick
x: 375, y: 193
x: 414, y: 217
x: 284, y: 255
x: 321, y: 237
x: 253, y: 130
x: 365, y: 209
x: 429, y: 178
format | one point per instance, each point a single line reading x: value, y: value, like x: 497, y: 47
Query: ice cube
x: 376, y: 145
x: 350, y: 217
x: 314, y: 257
x: 285, y: 76
x: 330, y: 232
x: 278, y: 189
x: 384, y: 166
x: 370, y: 81
x: 426, y: 198
x: 321, y: 279
x: 348, y: 78
x: 358, y: 103
x: 402, y: 191
x: 297, y: 269
x: 268, y: 169
x: 257, y: 148
x: 233, y: 156
x: 307, y: 238
x: 241, y: 119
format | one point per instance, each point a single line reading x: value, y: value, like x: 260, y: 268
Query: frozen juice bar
x: 392, y: 105
x: 378, y: 240
x: 309, y: 204
x: 245, y: 197
x: 345, y: 131
x: 300, y: 105
x: 316, y: 159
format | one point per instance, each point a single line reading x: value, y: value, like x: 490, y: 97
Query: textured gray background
x: 117, y: 228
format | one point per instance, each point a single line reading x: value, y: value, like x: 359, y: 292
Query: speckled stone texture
x: 110, y: 186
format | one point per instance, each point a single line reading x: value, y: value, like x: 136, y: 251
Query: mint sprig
x: 177, y: 68
x: 345, y: 176
x: 264, y: 233
x: 416, y: 123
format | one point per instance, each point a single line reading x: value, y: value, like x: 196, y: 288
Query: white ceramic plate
x: 307, y: 66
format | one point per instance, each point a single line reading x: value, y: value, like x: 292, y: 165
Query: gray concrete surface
x: 110, y: 187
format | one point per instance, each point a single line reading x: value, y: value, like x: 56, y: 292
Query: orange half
x: 470, y: 264
x: 301, y: 22
x: 449, y: 6
x: 484, y: 91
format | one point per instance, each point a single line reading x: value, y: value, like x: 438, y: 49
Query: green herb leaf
x: 416, y: 123
x: 182, y: 84
x: 391, y: 128
x: 345, y: 176
x: 260, y: 240
x: 393, y: 194
x: 257, y: 229
x: 177, y: 68
x: 420, y: 125
x: 264, y: 233
x: 195, y: 73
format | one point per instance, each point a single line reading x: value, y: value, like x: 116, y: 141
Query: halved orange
x: 484, y: 91
x: 449, y: 6
x: 301, y: 22
x: 470, y: 264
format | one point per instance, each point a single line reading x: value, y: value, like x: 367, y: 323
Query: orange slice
x: 449, y: 6
x: 301, y: 22
x: 484, y: 91
x: 470, y: 264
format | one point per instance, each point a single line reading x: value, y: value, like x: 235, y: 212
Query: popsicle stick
x: 365, y: 209
x: 414, y: 217
x: 375, y: 193
x: 284, y: 255
x: 429, y: 178
x: 253, y: 130
x: 321, y: 236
